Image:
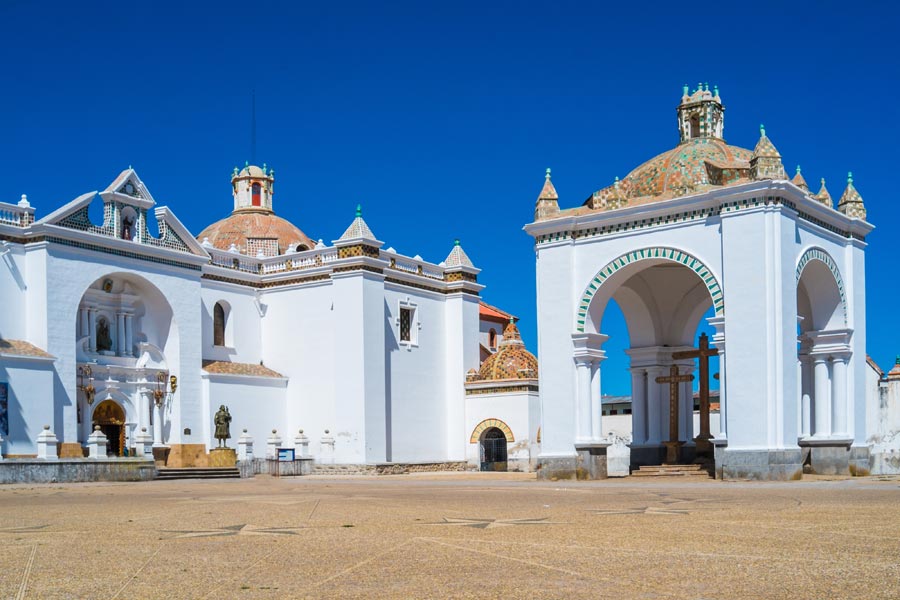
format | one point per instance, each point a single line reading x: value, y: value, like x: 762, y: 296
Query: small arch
x: 538, y: 435
x: 487, y: 424
x: 492, y: 339
x: 256, y: 194
x: 656, y: 253
x: 821, y: 255
x: 218, y: 324
x: 110, y: 417
x: 301, y: 248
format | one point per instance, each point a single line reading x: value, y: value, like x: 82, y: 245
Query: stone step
x: 693, y: 470
x: 695, y: 474
x: 199, y: 473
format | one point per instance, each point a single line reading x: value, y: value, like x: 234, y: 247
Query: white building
x: 105, y: 325
x: 704, y: 226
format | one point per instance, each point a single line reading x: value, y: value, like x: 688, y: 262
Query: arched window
x: 302, y: 247
x: 695, y: 126
x: 219, y: 325
x: 492, y: 339
x: 256, y: 195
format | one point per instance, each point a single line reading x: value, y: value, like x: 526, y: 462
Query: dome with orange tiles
x: 511, y: 361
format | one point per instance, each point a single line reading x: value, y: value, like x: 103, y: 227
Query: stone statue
x: 223, y: 425
x: 104, y: 341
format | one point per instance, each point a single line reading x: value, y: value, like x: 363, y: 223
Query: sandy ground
x: 454, y: 535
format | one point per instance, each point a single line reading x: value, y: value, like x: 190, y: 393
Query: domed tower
x: 253, y: 188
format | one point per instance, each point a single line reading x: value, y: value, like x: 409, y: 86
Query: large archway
x: 126, y: 340
x: 666, y: 298
x: 109, y: 416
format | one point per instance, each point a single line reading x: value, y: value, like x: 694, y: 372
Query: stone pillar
x: 596, y: 403
x: 326, y: 451
x: 245, y: 446
x: 822, y: 389
x: 129, y: 335
x: 301, y: 444
x: 46, y: 444
x: 143, y: 444
x: 839, y: 396
x: 120, y: 334
x: 654, y: 406
x: 583, y: 428
x: 97, y: 444
x: 638, y: 406
x: 805, y: 396
x: 686, y: 406
x: 272, y: 445
x: 85, y: 325
x: 92, y: 329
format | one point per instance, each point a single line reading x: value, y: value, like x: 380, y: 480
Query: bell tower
x: 253, y: 188
x: 701, y: 114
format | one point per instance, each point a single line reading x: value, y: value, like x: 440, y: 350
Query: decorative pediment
x: 127, y: 188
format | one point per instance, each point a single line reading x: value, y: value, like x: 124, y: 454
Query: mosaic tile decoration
x: 510, y: 361
x: 487, y: 424
x: 22, y: 348
x: 821, y: 255
x: 670, y: 254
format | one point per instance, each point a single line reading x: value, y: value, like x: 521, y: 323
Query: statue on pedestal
x: 222, y: 421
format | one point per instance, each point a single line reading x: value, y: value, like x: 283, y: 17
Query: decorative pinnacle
x: 823, y: 182
x: 685, y: 88
x: 246, y: 163
x: 699, y: 87
x: 547, y: 176
x: 716, y: 90
x: 897, y: 362
x: 707, y: 87
x: 798, y: 169
x: 456, y: 242
x: 850, y: 177
x: 358, y: 210
x: 762, y: 130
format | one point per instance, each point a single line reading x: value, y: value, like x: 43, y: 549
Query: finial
x: 849, y: 177
x: 798, y: 169
x: 246, y: 163
x: 699, y: 87
x: 456, y: 242
x: 264, y: 168
x: 707, y: 87
x: 235, y: 171
x: 512, y: 320
x: 762, y: 130
x: 823, y: 182
x: 897, y: 362
x: 358, y: 210
x: 547, y: 176
x: 685, y: 88
x: 716, y: 90
x: 129, y: 167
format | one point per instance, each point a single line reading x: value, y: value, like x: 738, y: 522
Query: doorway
x: 493, y: 450
x: 111, y: 419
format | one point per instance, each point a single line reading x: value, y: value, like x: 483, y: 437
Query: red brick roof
x: 492, y: 313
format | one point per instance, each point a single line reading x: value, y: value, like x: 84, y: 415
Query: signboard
x: 4, y: 409
x: 285, y: 455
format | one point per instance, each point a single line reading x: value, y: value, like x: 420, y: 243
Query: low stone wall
x: 307, y: 466
x: 264, y: 466
x: 69, y: 470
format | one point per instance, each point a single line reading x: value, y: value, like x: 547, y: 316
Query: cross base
x: 704, y: 445
x: 673, y: 452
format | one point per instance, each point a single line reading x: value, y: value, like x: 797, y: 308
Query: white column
x: 596, y: 403
x: 821, y: 393
x: 839, y: 395
x: 638, y: 406
x: 129, y: 335
x: 583, y: 427
x: 120, y: 334
x: 158, y: 426
x: 653, y: 407
x: 805, y: 396
x: 92, y: 329
x: 83, y: 311
x: 723, y: 415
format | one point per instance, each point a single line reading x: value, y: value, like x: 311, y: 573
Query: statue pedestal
x: 222, y: 457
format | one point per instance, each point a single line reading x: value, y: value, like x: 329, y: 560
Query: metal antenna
x: 253, y: 129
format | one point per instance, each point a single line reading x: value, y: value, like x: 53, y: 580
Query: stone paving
x: 458, y: 535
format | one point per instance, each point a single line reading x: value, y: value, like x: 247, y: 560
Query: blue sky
x: 440, y: 119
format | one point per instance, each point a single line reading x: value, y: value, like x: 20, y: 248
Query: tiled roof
x: 548, y: 192
x: 511, y: 361
x: 871, y: 362
x: 764, y: 147
x: 457, y: 257
x: 851, y: 203
x: 799, y: 181
x: 823, y: 196
x: 485, y: 310
x: 358, y: 228
x: 22, y: 348
x: 222, y: 367
x: 243, y: 225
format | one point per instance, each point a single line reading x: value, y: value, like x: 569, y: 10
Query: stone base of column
x: 703, y: 445
x: 588, y: 463
x: 826, y: 456
x: 673, y: 452
x: 186, y: 455
x: 222, y: 457
x: 764, y: 464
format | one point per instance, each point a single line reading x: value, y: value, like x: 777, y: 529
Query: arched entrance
x: 493, y: 450
x: 666, y: 297
x: 111, y: 419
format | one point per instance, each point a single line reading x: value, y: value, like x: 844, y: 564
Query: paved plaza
x: 454, y: 535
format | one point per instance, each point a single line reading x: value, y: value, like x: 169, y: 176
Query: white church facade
x: 143, y: 337
x: 707, y: 228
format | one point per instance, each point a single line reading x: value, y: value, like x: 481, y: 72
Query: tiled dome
x: 690, y: 166
x: 511, y: 361
x: 243, y: 225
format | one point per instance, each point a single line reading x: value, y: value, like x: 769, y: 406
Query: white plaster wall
x: 415, y: 378
x: 462, y: 354
x: 517, y: 410
x: 256, y: 404
x: 13, y: 291
x: 30, y: 405
x: 300, y: 341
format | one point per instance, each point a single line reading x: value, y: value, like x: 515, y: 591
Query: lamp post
x: 160, y: 394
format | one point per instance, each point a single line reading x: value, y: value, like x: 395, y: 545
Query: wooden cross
x: 673, y: 380
x: 703, y: 353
